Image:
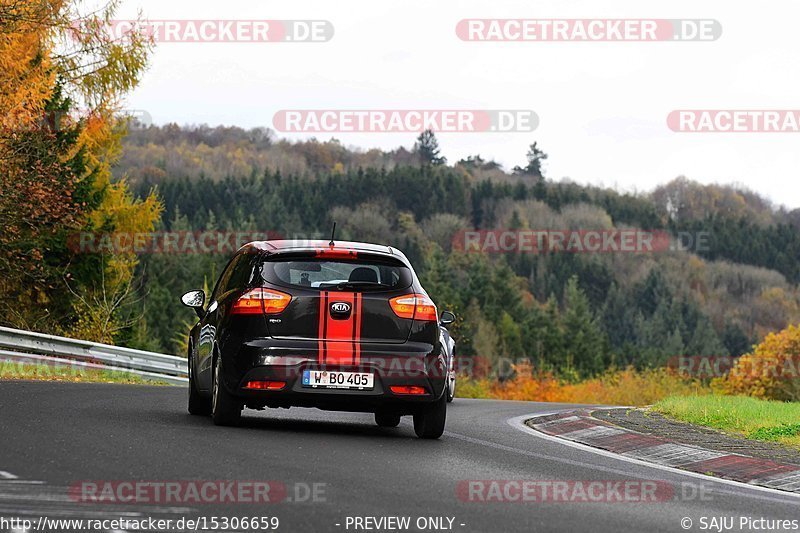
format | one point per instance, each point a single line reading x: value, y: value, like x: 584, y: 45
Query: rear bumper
x: 274, y: 360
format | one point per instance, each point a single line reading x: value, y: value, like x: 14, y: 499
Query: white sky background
x: 602, y: 106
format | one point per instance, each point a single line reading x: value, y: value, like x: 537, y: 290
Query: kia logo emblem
x: 340, y: 308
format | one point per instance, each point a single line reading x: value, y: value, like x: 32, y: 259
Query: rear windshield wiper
x: 362, y: 285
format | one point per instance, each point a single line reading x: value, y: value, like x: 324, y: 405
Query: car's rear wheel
x: 226, y: 409
x: 451, y: 380
x: 429, y: 421
x: 387, y: 419
x: 198, y: 405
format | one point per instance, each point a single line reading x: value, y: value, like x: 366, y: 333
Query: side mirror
x: 447, y: 318
x: 195, y: 300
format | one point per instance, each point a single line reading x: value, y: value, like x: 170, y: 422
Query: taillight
x: 265, y: 385
x: 408, y: 389
x: 260, y: 300
x: 416, y: 306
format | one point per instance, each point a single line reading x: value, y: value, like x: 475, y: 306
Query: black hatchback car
x: 339, y: 326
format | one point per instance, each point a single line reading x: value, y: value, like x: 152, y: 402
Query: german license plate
x: 338, y: 380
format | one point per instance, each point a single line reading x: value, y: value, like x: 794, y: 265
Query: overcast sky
x: 602, y: 106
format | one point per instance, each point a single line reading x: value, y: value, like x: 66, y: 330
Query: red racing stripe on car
x: 339, y: 334
x: 323, y: 321
x: 357, y: 328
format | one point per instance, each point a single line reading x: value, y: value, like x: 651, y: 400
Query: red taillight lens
x: 408, y: 389
x: 416, y: 306
x: 260, y: 300
x: 265, y: 385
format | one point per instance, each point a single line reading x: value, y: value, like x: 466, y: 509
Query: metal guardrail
x: 21, y: 346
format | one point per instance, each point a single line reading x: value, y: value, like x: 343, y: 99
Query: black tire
x: 387, y: 419
x: 451, y: 382
x: 198, y: 405
x: 429, y: 421
x: 226, y: 409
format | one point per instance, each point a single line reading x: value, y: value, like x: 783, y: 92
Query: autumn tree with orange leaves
x: 62, y: 78
x: 771, y: 370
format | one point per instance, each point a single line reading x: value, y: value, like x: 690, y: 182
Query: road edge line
x: 518, y: 422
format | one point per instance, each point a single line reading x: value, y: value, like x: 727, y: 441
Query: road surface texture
x: 58, y: 435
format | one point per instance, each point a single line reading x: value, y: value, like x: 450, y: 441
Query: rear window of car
x: 335, y: 273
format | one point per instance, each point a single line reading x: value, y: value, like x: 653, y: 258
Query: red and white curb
x: 581, y: 427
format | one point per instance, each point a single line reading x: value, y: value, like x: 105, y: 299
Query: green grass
x: 38, y: 372
x: 750, y: 417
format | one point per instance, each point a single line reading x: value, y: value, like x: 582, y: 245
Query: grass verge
x: 26, y: 371
x: 750, y: 417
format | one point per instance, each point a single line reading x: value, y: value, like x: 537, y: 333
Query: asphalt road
x: 54, y: 435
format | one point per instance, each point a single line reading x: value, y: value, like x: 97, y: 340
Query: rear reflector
x: 265, y: 385
x: 416, y: 306
x: 260, y: 300
x: 408, y: 389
